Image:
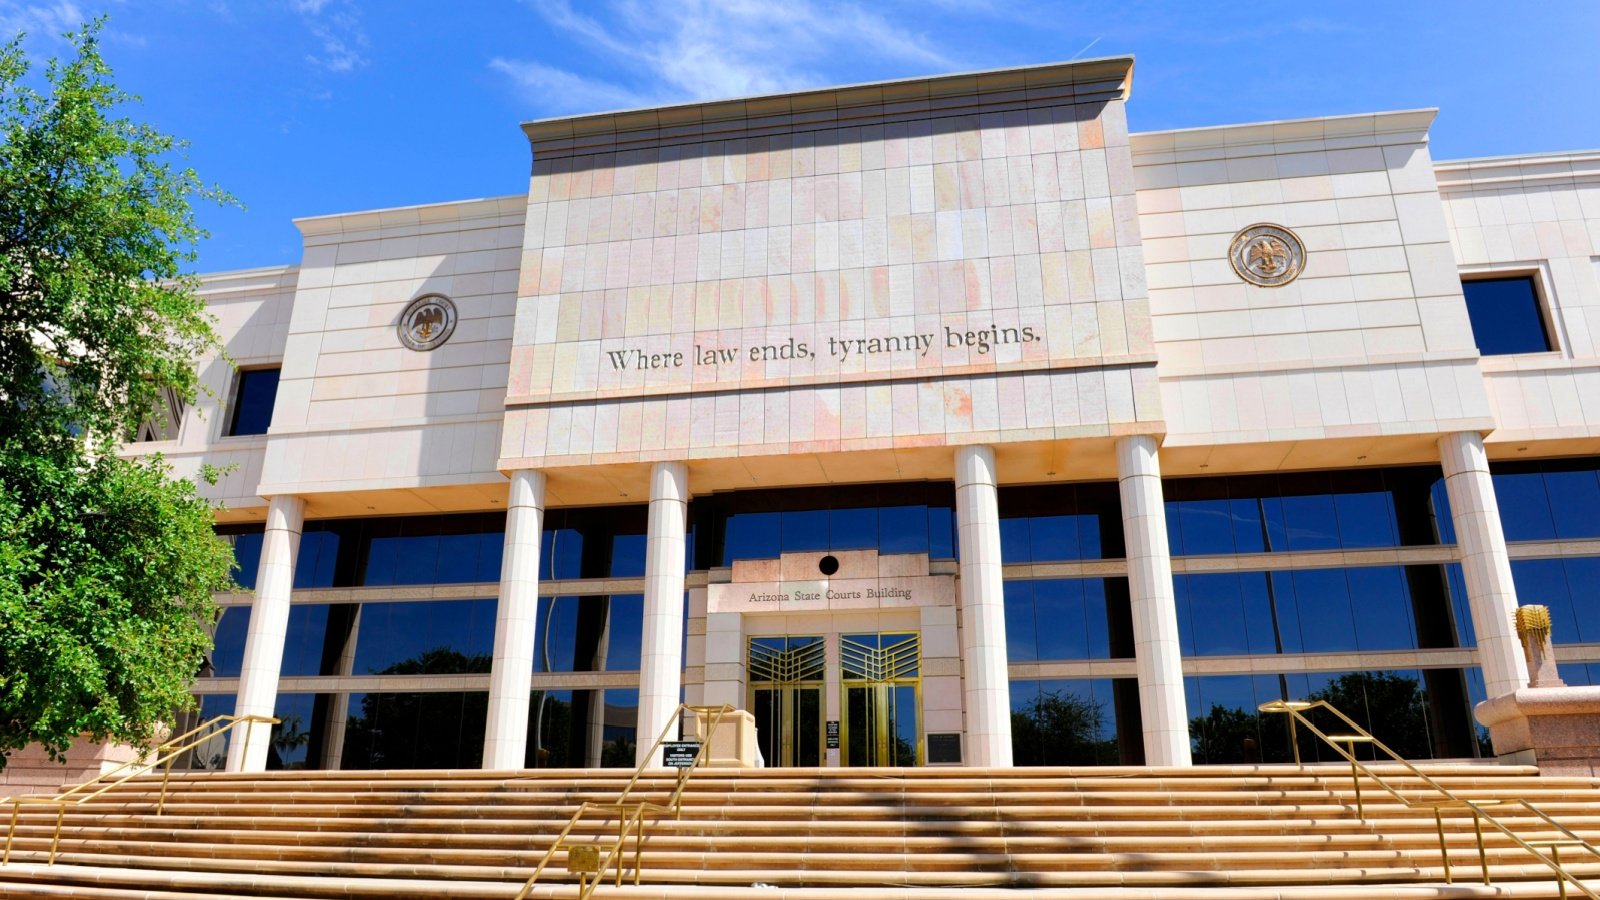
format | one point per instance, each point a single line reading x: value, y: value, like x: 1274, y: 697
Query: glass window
x: 292, y: 737
x: 1506, y: 315
x: 1064, y: 722
x: 1548, y: 499
x: 434, y: 730
x: 1053, y: 523
x: 227, y: 651
x: 587, y: 634
x: 246, y: 542
x: 424, y: 637
x: 1345, y: 510
x: 1063, y: 618
x: 604, y: 737
x: 252, y: 401
x: 911, y: 517
x: 1316, y: 610
x: 1418, y: 714
x: 1570, y: 587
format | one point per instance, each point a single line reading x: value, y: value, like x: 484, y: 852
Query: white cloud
x: 336, y: 27
x: 46, y: 20
x: 559, y: 91
x: 707, y: 49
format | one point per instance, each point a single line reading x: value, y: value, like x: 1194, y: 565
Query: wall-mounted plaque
x: 944, y: 749
x: 1267, y: 255
x: 833, y: 734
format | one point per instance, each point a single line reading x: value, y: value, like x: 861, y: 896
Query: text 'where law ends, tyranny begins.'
x: 981, y: 340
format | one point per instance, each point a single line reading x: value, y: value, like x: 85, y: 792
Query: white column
x: 661, y: 643
x: 1158, y: 660
x: 983, y: 610
x: 505, y: 739
x: 269, y: 623
x: 1490, y: 593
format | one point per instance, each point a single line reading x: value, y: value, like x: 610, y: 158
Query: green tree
x: 107, y: 565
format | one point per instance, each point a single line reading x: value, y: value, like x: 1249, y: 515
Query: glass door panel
x: 880, y: 676
x: 786, y: 677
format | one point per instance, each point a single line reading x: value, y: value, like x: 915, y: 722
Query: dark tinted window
x: 1548, y: 499
x: 1505, y: 315
x: 252, y: 403
x: 1420, y: 714
x: 1066, y: 618
x: 441, y: 730
x: 1335, y: 510
x: 1315, y: 610
x: 1065, y: 722
x: 1052, y: 523
x: 1568, y: 587
x: 911, y: 517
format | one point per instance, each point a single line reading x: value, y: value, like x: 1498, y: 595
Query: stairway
x: 1204, y: 833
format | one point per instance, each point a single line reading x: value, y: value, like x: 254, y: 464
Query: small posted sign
x: 833, y: 734
x: 679, y: 754
x: 583, y: 859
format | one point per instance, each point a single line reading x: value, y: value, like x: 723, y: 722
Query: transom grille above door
x: 786, y: 660
x: 879, y: 657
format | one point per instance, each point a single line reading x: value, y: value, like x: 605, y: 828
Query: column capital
x: 526, y: 489
x: 975, y: 465
x: 669, y: 481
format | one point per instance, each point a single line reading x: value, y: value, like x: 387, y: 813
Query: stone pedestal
x: 733, y: 745
x: 1554, y: 728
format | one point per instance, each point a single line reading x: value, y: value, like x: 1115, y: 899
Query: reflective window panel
x: 1336, y: 510
x: 423, y: 637
x: 1570, y: 587
x: 1067, y: 619
x: 424, y: 730
x: 588, y: 634
x: 587, y: 729
x: 1315, y: 610
x: 227, y: 653
x: 1555, y: 499
x: 1066, y: 722
x: 909, y: 517
x: 254, y: 394
x: 1055, y: 522
x: 246, y: 543
x: 1419, y: 714
x: 1506, y: 315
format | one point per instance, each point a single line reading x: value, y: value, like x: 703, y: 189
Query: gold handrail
x: 133, y: 768
x: 631, y: 816
x: 1296, y: 710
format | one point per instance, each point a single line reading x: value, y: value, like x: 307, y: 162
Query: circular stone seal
x: 427, y: 322
x: 1267, y: 255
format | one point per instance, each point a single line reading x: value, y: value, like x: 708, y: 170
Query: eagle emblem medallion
x: 1267, y: 255
x: 427, y: 322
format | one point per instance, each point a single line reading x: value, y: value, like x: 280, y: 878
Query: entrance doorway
x: 786, y: 684
x: 880, y: 676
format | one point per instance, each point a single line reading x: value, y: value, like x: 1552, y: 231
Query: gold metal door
x: 880, y: 677
x: 786, y: 679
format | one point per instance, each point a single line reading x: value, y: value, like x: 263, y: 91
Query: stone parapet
x: 1557, y: 729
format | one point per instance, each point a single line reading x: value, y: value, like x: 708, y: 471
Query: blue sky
x: 304, y: 107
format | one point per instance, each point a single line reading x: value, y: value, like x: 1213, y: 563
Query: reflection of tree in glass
x: 288, y: 736
x: 549, y: 748
x: 1057, y: 729
x: 420, y: 730
x: 617, y: 754
x: 1392, y: 707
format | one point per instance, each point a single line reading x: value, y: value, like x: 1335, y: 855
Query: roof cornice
x: 1567, y: 167
x: 909, y: 99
